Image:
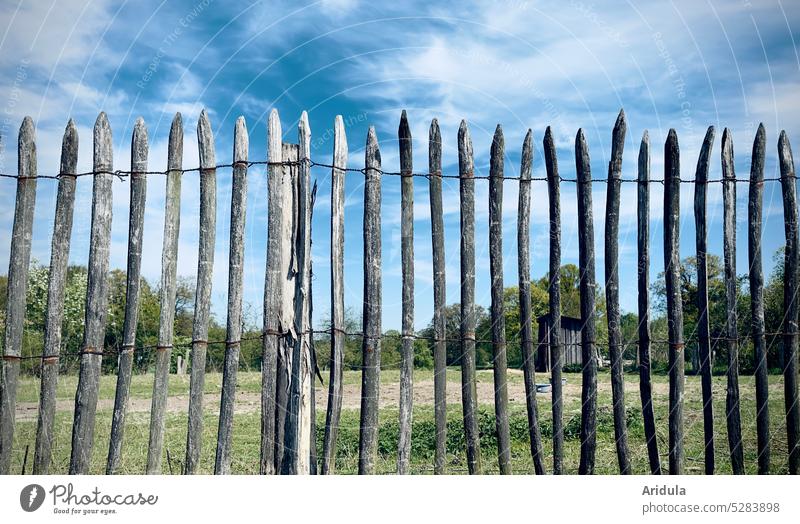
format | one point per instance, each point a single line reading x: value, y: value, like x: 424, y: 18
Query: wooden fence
x: 288, y: 421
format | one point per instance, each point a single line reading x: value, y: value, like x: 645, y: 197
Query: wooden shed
x: 570, y: 341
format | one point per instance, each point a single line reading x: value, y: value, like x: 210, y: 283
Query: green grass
x: 246, y: 429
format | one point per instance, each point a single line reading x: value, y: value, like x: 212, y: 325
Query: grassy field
x: 246, y: 430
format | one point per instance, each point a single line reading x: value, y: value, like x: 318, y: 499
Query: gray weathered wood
x: 733, y: 415
x: 790, y: 302
x: 469, y: 395
x: 672, y: 272
x: 371, y: 347
x: 334, y: 409
x: 96, y: 301
x: 611, y: 263
x: 138, y: 195
x: 439, y: 297
x: 587, y: 292
x: 500, y: 361
x: 19, y: 261
x: 756, y: 278
x: 643, y: 281
x: 168, y: 283
x: 703, y: 331
x: 59, y: 261
x: 407, y: 267
x: 233, y: 333
x: 525, y: 315
x: 297, y: 444
x: 273, y: 291
x: 554, y: 299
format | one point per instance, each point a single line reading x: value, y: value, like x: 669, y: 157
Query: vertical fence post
x: 407, y: 263
x: 222, y: 462
x: 202, y: 306
x: 469, y: 395
x: 96, y: 302
x: 133, y: 283
x: 273, y: 292
x: 611, y: 263
x: 756, y: 278
x: 790, y: 302
x: 703, y: 331
x: 497, y: 312
x: 732, y: 414
x: 59, y: 260
x: 525, y: 317
x: 334, y: 410
x: 643, y: 281
x: 554, y: 299
x: 587, y: 292
x: 439, y: 297
x: 371, y: 348
x: 672, y: 270
x: 19, y: 261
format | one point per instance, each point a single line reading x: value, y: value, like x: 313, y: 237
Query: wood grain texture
x: 138, y: 195
x: 96, y: 301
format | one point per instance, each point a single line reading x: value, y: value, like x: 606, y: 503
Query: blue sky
x: 524, y: 64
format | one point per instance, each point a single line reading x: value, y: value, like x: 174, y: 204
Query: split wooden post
x: 241, y: 144
x: 469, y: 395
x: 756, y: 278
x: 297, y: 444
x: 643, y: 280
x: 554, y: 299
x: 335, y: 391
x: 587, y: 292
x: 525, y: 315
x: 139, y: 150
x: 407, y: 267
x: 371, y: 346
x: 96, y: 301
x: 732, y: 413
x: 703, y: 330
x: 790, y: 302
x: 273, y: 293
x: 611, y: 262
x: 672, y: 271
x: 18, y: 264
x: 59, y: 261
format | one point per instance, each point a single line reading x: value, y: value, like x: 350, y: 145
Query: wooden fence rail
x: 288, y: 419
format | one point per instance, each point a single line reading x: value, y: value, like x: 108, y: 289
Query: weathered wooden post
x: 371, y: 347
x: 59, y: 260
x: 19, y: 261
x: 273, y: 295
x: 554, y: 299
x: 525, y: 316
x: 790, y: 302
x: 587, y: 292
x: 334, y: 410
x: 643, y: 281
x: 756, y: 278
x: 138, y: 195
x: 407, y: 267
x: 439, y: 297
x: 732, y: 414
x: 241, y: 144
x: 611, y: 262
x: 497, y: 311
x: 672, y: 271
x: 96, y: 301
x: 703, y: 331
x: 469, y: 395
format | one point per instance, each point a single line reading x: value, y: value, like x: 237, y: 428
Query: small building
x: 570, y: 342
